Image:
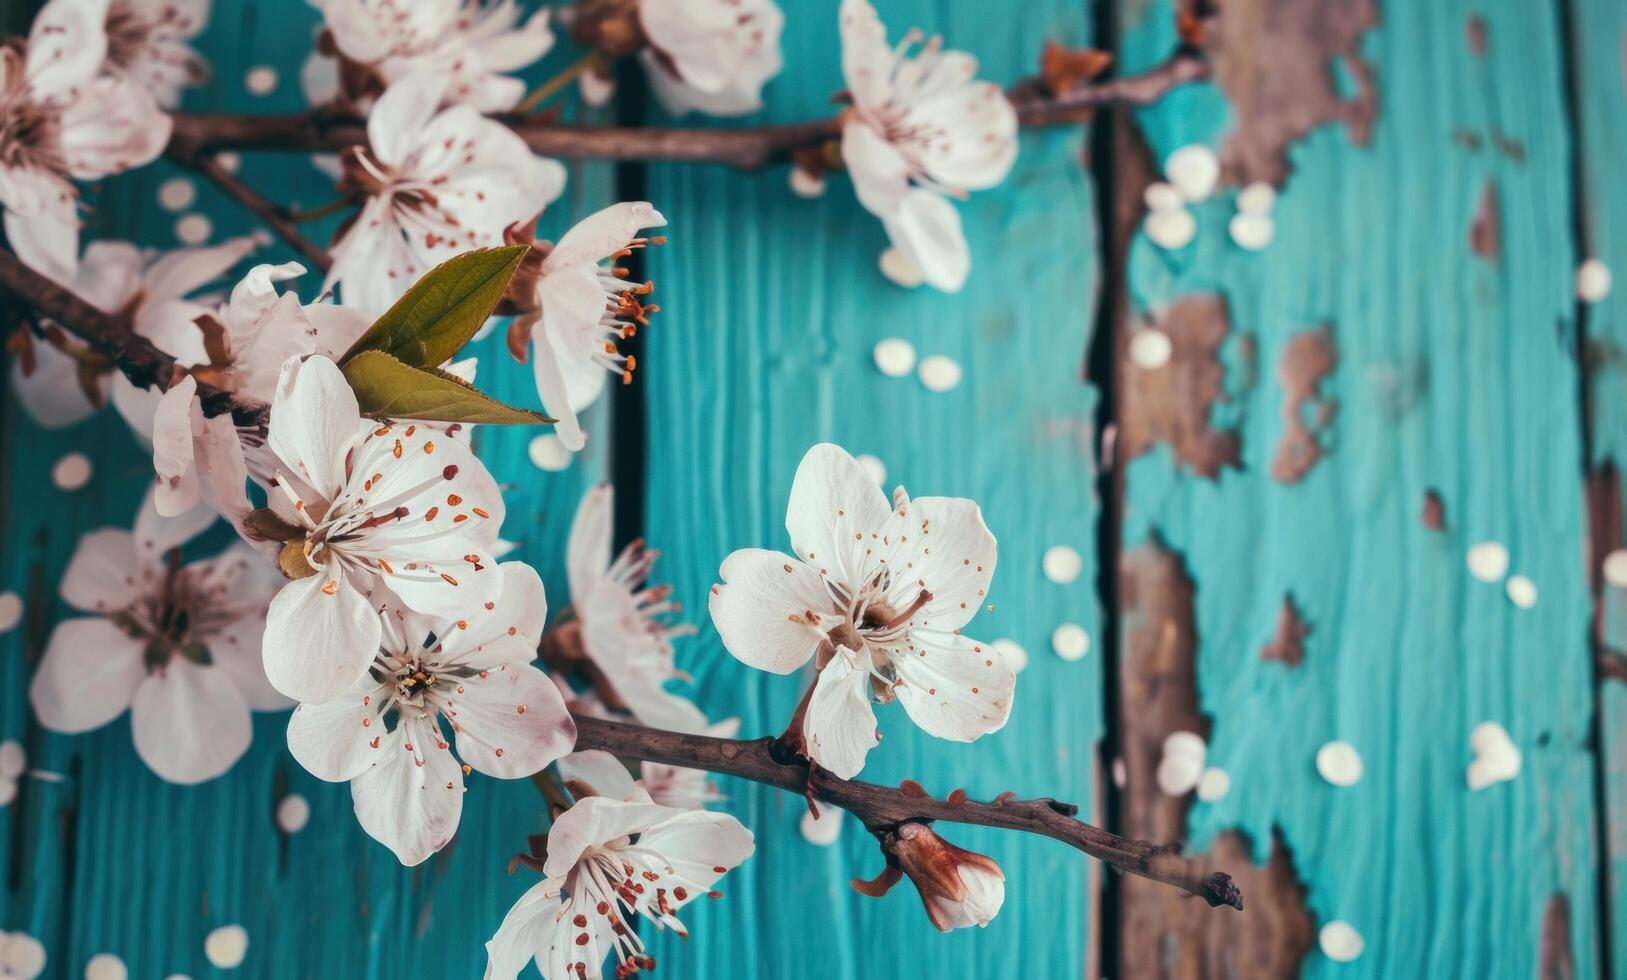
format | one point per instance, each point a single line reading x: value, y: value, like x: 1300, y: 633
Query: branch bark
x: 136, y: 357
x: 883, y: 808
x: 746, y: 149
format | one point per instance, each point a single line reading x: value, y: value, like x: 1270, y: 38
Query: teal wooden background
x: 1457, y: 373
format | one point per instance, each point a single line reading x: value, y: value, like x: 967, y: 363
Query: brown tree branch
x: 274, y: 215
x: 136, y: 357
x: 746, y: 149
x: 883, y: 808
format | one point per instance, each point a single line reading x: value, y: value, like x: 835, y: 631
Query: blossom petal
x: 953, y: 687
x: 339, y: 739
x: 51, y: 393
x: 879, y: 171
x: 46, y: 236
x: 172, y: 448
x: 953, y: 557
x: 516, y: 616
x: 111, y: 126
x: 400, y: 116
x: 312, y: 430
x: 548, y: 370
x: 867, y: 60
x: 104, y: 574
x: 410, y: 802
x: 190, y: 722
x: 594, y: 822
x: 155, y: 535
x: 697, y: 843
x: 66, y: 45
x: 321, y: 636
x: 587, y: 552
x: 840, y: 726
x: 177, y: 273
x: 834, y: 503
x: 86, y: 677
x: 753, y: 608
x: 595, y: 772
x: 512, y: 722
x: 537, y: 922
x: 926, y: 228
x: 599, y: 234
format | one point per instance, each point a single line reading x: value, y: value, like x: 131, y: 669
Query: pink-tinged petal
x: 156, y: 534
x: 66, y: 46
x: 402, y: 113
x: 337, y: 327
x: 537, y: 923
x: 137, y: 406
x: 46, y: 238
x: 953, y: 687
x: 760, y: 609
x: 222, y: 467
x: 512, y: 722
x: 173, y: 458
x: 594, y: 822
x: 867, y: 59
x: 723, y: 54
x: 340, y: 739
x: 105, y: 574
x: 595, y: 237
x: 982, y: 126
x: 176, y: 274
x: 880, y: 173
x: 952, y: 555
x: 503, y: 47
x: 256, y: 293
x: 548, y: 370
x: 190, y: 722
x: 171, y: 324
x: 112, y: 125
x: 109, y: 274
x: 835, y: 507
x: 313, y: 429
x: 321, y: 636
x: 595, y: 772
x: 410, y: 802
x: 587, y: 552
x: 516, y: 618
x: 926, y: 228
x: 51, y: 393
x: 235, y: 650
x: 86, y: 677
x: 840, y: 726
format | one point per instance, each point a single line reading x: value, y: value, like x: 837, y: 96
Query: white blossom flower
x: 436, y: 184
x: 713, y: 56
x: 177, y: 644
x: 610, y: 862
x: 877, y: 597
x: 622, y: 621
x: 241, y: 347
x: 583, y: 308
x: 147, y: 43
x: 921, y: 130
x: 62, y: 120
x: 375, y: 511
x: 469, y: 44
x: 384, y: 734
x: 62, y: 381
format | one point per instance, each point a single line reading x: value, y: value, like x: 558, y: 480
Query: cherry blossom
x: 621, y: 621
x: 580, y: 308
x: 470, y: 45
x: 178, y: 644
x: 712, y: 56
x: 147, y: 43
x: 609, y: 862
x: 921, y: 130
x: 62, y: 120
x: 876, y: 596
x: 384, y: 734
x: 61, y: 381
x: 241, y: 347
x: 370, y: 514
x: 435, y: 184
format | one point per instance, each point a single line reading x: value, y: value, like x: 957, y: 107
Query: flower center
x: 30, y: 132
x: 178, y: 616
x: 128, y: 32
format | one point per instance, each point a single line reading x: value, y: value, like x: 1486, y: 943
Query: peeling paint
x: 1555, y: 961
x: 1434, y: 516
x: 1485, y: 234
x: 1287, y: 644
x: 1171, y: 405
x: 1307, y: 359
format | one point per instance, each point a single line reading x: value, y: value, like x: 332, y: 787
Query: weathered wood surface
x: 1396, y: 359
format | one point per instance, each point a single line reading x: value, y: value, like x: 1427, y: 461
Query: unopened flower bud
x: 958, y: 887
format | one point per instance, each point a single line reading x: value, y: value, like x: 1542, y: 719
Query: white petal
x: 312, y: 430
x: 601, y: 233
x: 699, y: 842
x: 535, y: 924
x: 512, y: 722
x: 840, y: 726
x: 954, y: 556
x: 587, y: 552
x: 317, y: 642
x: 109, y: 274
x: 867, y: 60
x: 592, y: 823
x: 596, y: 773
x: 926, y: 227
x: 410, y: 802
x: 548, y: 370
x: 335, y: 740
x: 402, y: 113
x: 172, y: 448
x: 190, y: 722
x: 86, y: 677
x: 516, y: 617
x: 66, y: 45
x: 51, y: 393
x: 832, y: 500
x: 111, y: 126
x: 103, y: 575
x: 176, y: 274
x: 753, y: 606
x: 155, y: 535
x: 42, y: 229
x: 954, y: 687
x: 880, y: 173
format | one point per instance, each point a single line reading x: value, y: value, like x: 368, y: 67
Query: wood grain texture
x: 1455, y: 374
x: 772, y: 306
x: 114, y: 860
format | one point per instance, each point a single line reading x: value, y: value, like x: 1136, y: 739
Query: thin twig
x: 882, y: 808
x: 274, y: 215
x: 747, y: 149
x: 136, y: 357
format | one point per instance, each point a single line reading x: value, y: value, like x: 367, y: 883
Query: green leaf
x: 386, y: 387
x: 440, y: 312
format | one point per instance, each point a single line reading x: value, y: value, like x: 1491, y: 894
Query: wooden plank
x: 771, y: 308
x: 1379, y: 355
x: 112, y: 859
x: 1598, y: 33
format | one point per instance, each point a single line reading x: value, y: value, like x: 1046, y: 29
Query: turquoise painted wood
x: 1455, y: 373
